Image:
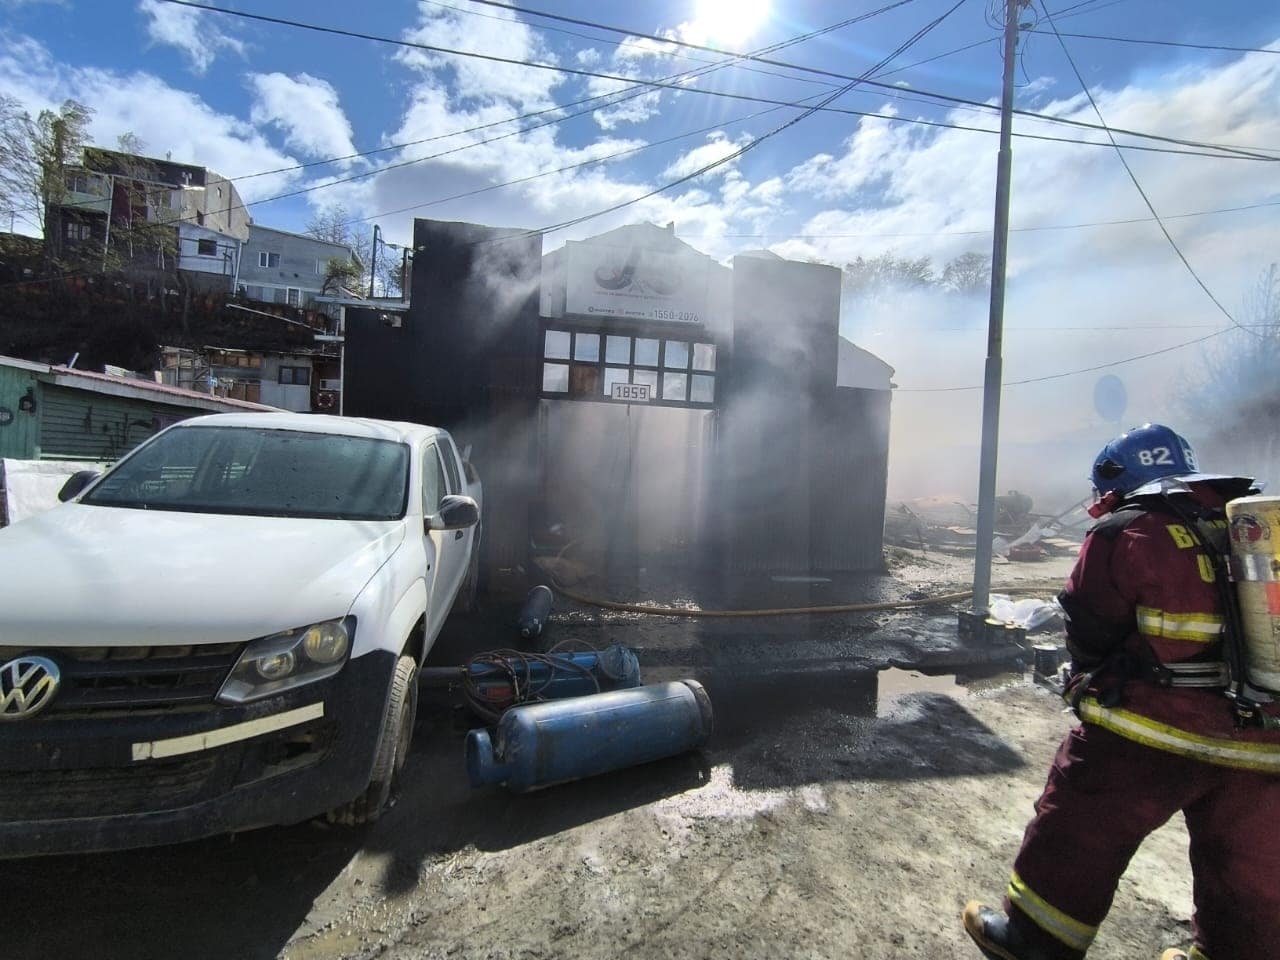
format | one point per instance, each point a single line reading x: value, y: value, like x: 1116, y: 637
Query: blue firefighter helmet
x: 1133, y: 462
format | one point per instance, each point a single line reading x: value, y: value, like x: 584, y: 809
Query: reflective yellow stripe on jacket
x: 1263, y: 757
x: 1196, y: 627
x: 1060, y: 926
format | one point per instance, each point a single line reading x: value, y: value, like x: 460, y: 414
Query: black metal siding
x: 464, y: 358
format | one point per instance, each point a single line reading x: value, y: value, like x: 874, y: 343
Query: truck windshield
x: 262, y: 472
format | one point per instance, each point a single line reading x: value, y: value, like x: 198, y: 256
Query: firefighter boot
x: 996, y: 937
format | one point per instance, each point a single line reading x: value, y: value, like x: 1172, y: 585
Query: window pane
x: 614, y: 375
x: 432, y: 481
x: 584, y: 381
x: 617, y: 350
x: 675, y: 386
x: 646, y: 352
x: 555, y: 377
x: 557, y: 347
x: 586, y: 346
x: 704, y: 356
x: 677, y: 355
x: 703, y: 390
x: 646, y: 376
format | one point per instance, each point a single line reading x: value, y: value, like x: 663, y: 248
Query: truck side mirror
x: 76, y: 483
x: 456, y: 513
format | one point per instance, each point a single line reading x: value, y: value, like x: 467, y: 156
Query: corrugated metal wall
x: 796, y: 454
x: 81, y: 425
x: 465, y: 358
x: 850, y: 467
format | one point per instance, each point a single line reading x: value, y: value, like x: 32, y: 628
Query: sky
x: 257, y: 101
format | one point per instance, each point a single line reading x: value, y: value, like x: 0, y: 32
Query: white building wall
x: 286, y: 396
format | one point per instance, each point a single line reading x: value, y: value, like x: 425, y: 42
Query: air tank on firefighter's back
x: 1255, y: 568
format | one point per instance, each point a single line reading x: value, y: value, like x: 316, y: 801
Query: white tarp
x: 31, y: 486
x: 635, y: 283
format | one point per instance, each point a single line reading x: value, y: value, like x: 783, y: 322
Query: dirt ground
x: 836, y: 812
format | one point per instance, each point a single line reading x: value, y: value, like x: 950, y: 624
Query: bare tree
x: 1234, y: 394
x: 335, y: 225
x: 969, y: 273
x: 872, y: 277
x: 33, y: 155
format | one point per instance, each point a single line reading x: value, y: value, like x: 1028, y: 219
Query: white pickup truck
x: 223, y: 631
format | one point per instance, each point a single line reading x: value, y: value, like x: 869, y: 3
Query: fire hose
x: 656, y: 610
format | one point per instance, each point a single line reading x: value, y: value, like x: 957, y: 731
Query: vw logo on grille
x: 27, y: 684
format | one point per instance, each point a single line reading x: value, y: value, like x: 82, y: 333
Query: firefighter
x: 1148, y: 633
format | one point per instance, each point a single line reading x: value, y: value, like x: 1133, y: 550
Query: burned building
x: 632, y: 399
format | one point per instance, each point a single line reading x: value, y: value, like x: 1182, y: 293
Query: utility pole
x: 995, y: 323
x: 373, y: 260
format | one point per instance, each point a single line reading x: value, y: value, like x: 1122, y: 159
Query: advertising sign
x: 635, y: 283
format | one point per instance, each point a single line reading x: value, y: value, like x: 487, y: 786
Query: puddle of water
x: 894, y: 684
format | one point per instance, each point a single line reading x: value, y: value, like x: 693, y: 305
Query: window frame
x: 587, y: 379
x: 293, y: 374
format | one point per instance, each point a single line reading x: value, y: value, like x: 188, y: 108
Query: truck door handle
x: 457, y: 535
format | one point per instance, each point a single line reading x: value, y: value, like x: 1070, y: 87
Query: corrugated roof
x: 108, y: 383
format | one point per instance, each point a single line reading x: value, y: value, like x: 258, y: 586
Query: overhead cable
x: 529, y: 11
x: 1072, y: 373
x: 980, y: 233
x: 683, y: 88
x: 1156, y: 43
x: 706, y: 168
x: 1138, y: 186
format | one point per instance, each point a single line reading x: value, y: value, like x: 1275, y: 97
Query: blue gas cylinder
x: 534, y: 613
x: 540, y: 744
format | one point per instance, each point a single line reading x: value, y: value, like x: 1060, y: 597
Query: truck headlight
x: 288, y: 659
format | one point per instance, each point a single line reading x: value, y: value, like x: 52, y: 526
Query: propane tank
x: 1255, y: 569
x: 534, y: 613
x: 541, y: 744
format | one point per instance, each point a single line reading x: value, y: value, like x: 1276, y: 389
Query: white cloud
x: 921, y: 192
x: 168, y: 120
x: 717, y: 148
x: 188, y: 30
x: 642, y: 59
x: 306, y: 109
x: 482, y: 80
x: 893, y: 178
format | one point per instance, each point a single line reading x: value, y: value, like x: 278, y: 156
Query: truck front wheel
x: 393, y: 747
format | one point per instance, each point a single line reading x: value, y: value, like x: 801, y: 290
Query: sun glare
x: 727, y: 22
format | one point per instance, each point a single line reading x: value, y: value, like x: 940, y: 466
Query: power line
x: 659, y: 84
x: 808, y: 112
x: 1155, y: 43
x: 529, y: 11
x: 980, y: 233
x: 613, y: 98
x: 302, y: 191
x: 1072, y: 373
x: 620, y: 43
x: 601, y: 100
x: 1137, y: 185
x: 572, y: 166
